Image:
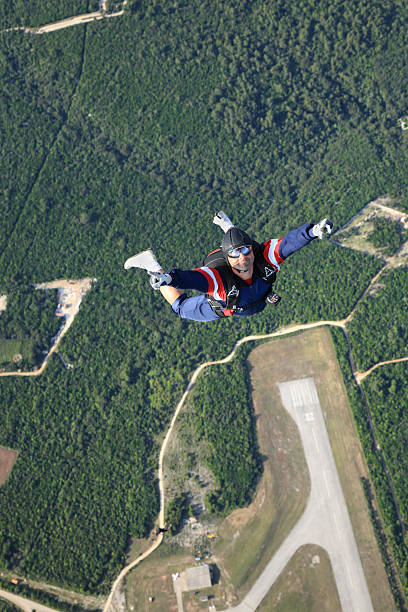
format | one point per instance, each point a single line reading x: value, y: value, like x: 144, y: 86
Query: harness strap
x: 216, y: 306
x: 219, y: 310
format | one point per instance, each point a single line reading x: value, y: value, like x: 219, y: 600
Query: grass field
x: 248, y: 537
x: 306, y: 584
x: 8, y: 349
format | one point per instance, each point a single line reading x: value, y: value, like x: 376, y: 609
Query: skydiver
x: 235, y: 279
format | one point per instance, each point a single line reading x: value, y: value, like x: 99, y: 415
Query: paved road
x: 325, y: 521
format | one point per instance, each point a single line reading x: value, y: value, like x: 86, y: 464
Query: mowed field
x: 248, y: 537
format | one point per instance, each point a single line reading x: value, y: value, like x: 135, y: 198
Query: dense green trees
x: 387, y: 235
x: 223, y: 417
x: 6, y: 606
x: 130, y: 133
x: 175, y: 509
x: 378, y: 329
x: 27, y: 326
x: 381, y: 408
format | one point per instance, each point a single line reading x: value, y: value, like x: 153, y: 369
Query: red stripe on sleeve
x: 279, y: 259
x: 209, y: 280
x: 266, y: 250
x: 221, y: 289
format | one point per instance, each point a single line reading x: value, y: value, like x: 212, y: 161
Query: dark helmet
x: 234, y: 238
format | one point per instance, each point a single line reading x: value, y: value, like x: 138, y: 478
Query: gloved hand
x: 157, y: 279
x: 325, y: 225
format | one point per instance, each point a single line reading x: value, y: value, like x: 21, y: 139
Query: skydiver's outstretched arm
x: 300, y: 237
x: 278, y: 249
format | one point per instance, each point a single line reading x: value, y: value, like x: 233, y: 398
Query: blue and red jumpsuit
x: 209, y: 281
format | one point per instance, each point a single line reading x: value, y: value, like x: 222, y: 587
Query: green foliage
x: 27, y: 326
x: 223, y: 417
x: 6, y: 606
x: 174, y: 513
x: 382, y: 544
x: 386, y: 391
x: 384, y: 495
x: 387, y: 394
x: 388, y: 235
x: 131, y: 132
x: 8, y: 349
x: 378, y: 329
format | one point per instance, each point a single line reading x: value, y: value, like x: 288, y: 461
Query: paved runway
x: 326, y: 521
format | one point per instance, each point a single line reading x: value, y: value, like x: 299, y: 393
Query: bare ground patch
x: 70, y: 294
x: 356, y: 232
x: 7, y: 459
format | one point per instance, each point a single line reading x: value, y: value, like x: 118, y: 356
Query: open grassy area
x: 306, y: 585
x: 8, y: 349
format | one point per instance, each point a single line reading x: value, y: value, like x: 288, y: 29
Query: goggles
x: 242, y: 250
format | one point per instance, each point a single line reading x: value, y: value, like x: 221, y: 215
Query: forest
x: 131, y: 133
x: 378, y: 329
x: 222, y: 415
x: 387, y: 235
x: 382, y: 457
x: 6, y: 606
x: 27, y: 326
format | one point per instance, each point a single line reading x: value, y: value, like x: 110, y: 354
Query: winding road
x: 247, y: 604
x: 280, y: 332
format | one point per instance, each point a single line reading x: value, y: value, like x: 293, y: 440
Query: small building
x: 198, y: 577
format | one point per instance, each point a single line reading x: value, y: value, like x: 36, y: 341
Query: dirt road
x: 70, y: 21
x: 25, y: 604
x: 70, y: 294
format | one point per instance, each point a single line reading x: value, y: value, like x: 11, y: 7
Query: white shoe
x: 223, y: 221
x: 145, y: 260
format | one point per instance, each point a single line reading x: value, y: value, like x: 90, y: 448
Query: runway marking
x: 316, y: 441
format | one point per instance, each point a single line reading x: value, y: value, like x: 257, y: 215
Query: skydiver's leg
x: 194, y: 308
x: 170, y: 294
x: 146, y: 260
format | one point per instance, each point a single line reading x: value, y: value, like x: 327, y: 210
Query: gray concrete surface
x: 326, y: 521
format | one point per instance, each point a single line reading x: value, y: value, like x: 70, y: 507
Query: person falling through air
x: 236, y: 279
